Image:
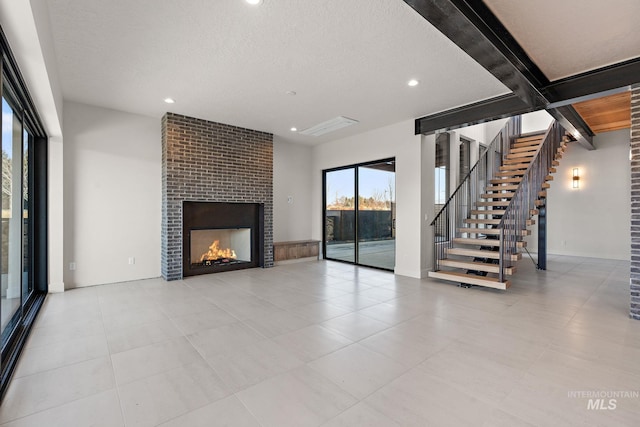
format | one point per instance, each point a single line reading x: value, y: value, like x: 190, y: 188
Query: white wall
x: 397, y: 141
x: 291, y: 178
x: 112, y: 195
x: 536, y: 121
x: 492, y: 128
x: 594, y: 220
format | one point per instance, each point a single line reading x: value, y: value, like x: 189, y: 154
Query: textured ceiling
x: 567, y: 37
x: 226, y: 61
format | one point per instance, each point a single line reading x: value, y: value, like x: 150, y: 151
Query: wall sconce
x: 576, y: 178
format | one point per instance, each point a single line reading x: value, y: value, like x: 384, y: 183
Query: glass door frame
x: 14, y: 90
x: 356, y: 208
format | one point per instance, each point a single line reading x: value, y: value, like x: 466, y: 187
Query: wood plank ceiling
x: 607, y: 113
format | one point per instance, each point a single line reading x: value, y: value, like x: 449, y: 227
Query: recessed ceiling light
x: 254, y: 2
x: 170, y: 100
x: 413, y: 82
x: 294, y: 129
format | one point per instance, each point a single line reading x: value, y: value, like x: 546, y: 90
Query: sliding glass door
x: 15, y: 248
x: 361, y: 230
x: 23, y: 227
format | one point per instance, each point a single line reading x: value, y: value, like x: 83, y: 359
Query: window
x: 442, y: 170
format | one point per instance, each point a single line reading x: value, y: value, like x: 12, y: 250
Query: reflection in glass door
x: 340, y: 226
x: 11, y: 227
x: 368, y: 219
x: 377, y: 215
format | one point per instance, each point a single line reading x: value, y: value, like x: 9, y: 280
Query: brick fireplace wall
x: 211, y: 162
x: 635, y: 202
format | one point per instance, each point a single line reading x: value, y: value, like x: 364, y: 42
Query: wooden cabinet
x: 283, y: 251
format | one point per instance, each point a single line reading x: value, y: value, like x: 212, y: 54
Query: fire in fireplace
x: 220, y: 236
x: 220, y: 247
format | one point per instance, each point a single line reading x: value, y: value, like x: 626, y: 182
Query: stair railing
x: 459, y: 205
x: 513, y: 224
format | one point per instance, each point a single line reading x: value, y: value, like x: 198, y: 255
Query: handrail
x: 516, y: 214
x: 458, y: 206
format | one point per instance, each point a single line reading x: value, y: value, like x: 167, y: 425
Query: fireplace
x: 222, y: 237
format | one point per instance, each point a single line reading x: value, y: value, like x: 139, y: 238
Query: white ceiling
x: 567, y: 37
x: 226, y: 61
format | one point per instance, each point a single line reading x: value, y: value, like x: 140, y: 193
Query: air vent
x: 329, y: 126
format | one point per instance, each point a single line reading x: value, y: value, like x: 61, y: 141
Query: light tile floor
x: 325, y: 343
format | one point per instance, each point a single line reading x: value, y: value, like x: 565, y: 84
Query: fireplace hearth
x: 222, y: 237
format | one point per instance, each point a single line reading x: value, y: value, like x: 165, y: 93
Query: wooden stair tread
x: 495, y: 221
x: 522, y: 155
x: 505, y: 180
x: 482, y: 221
x: 483, y: 242
x: 502, y: 187
x: 498, y: 203
x: 497, y: 212
x: 536, y: 135
x: 479, y: 253
x: 519, y: 172
x: 514, y: 166
x: 472, y: 279
x: 476, y: 265
x: 487, y: 212
x: 516, y: 160
x: 529, y: 139
x: 533, y: 143
x: 507, y: 195
x: 532, y: 149
x: 488, y: 231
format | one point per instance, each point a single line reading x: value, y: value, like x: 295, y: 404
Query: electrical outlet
x: 132, y: 260
x: 72, y: 266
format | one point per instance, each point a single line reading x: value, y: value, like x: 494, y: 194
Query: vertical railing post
x: 501, y: 262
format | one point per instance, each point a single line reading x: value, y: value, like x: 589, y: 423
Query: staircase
x: 478, y: 238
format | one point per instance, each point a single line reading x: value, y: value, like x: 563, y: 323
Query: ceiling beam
x: 480, y: 37
x: 605, y: 79
x: 472, y: 114
x: 573, y: 123
x: 476, y: 30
